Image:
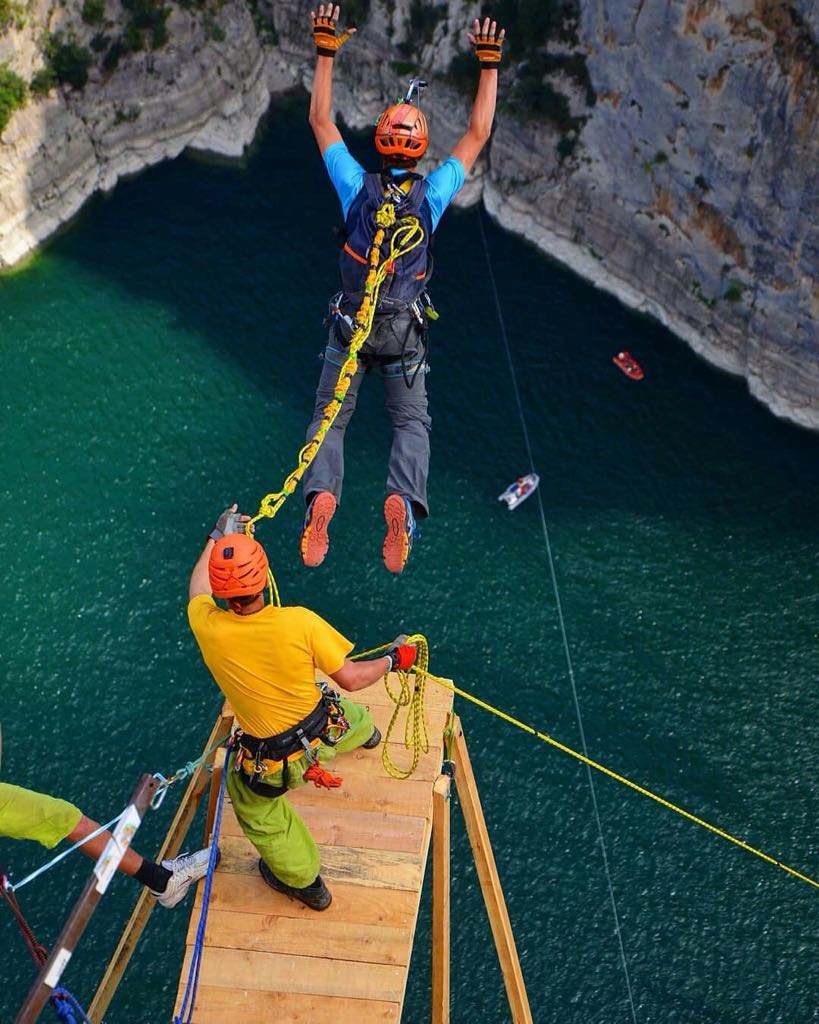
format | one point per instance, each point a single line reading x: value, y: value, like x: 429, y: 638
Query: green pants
x: 273, y: 826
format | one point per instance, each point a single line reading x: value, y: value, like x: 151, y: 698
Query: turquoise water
x: 159, y: 361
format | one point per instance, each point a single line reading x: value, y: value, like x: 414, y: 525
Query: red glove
x: 402, y: 657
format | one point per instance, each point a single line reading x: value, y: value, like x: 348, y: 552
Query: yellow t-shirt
x: 265, y: 663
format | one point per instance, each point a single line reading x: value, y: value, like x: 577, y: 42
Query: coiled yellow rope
x: 416, y: 736
x: 407, y: 235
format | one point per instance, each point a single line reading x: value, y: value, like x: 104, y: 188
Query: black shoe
x: 373, y: 741
x: 316, y: 896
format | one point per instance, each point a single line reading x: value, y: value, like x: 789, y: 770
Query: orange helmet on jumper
x: 402, y: 132
x: 237, y: 566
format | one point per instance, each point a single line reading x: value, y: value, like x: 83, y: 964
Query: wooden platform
x: 270, y: 958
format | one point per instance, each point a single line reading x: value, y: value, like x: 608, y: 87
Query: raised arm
x: 321, y: 98
x: 230, y: 521
x: 487, y: 42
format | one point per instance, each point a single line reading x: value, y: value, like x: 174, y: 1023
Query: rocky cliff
x: 669, y: 152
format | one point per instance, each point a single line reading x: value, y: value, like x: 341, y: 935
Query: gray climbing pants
x: 407, y: 407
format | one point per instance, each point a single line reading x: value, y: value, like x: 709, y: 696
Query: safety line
x: 178, y: 776
x: 16, y: 886
x: 560, y: 617
x: 447, y: 684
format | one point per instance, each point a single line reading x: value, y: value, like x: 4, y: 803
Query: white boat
x: 520, y: 490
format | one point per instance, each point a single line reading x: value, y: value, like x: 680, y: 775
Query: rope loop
x: 385, y: 215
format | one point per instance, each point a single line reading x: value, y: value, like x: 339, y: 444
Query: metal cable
x: 561, y: 620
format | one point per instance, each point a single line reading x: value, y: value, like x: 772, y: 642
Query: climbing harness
x: 185, y: 1015
x: 406, y: 234
x: 326, y: 723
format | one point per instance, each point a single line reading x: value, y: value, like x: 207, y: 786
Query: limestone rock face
x: 682, y: 172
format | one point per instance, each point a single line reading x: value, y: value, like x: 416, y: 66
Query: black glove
x: 229, y: 521
x: 324, y: 32
x: 487, y: 43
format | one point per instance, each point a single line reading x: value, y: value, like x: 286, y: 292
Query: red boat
x: 629, y: 365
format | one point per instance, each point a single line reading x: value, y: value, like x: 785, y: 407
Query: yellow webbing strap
x: 407, y: 235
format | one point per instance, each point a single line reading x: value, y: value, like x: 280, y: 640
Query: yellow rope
x: 407, y: 235
x: 416, y: 739
x: 621, y: 778
x: 416, y: 736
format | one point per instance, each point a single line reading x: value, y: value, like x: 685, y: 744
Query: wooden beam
x: 145, y: 903
x: 440, y: 900
x: 489, y: 880
x: 219, y: 765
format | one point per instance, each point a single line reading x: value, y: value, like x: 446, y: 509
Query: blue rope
x: 65, y: 1006
x: 192, y: 984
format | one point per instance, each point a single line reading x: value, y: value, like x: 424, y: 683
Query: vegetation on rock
x: 13, y: 94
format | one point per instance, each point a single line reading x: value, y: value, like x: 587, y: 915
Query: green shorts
x: 25, y: 814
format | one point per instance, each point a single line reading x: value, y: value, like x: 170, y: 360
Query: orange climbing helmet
x: 237, y: 566
x: 402, y: 132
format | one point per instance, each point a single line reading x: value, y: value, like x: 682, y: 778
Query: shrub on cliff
x: 12, y: 12
x: 150, y: 15
x: 71, y: 62
x: 12, y: 94
x: 93, y: 11
x: 42, y: 81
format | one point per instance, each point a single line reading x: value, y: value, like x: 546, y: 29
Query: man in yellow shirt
x: 264, y: 659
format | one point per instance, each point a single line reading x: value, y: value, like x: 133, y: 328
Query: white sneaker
x: 185, y: 870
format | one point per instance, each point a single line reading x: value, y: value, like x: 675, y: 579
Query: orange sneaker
x: 400, y: 532
x: 315, y: 541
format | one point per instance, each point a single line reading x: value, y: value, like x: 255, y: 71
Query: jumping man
x: 397, y: 342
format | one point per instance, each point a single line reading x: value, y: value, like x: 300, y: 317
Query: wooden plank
x: 435, y: 695
x: 273, y: 958
x: 360, y: 763
x: 490, y: 882
x: 145, y: 902
x: 238, y: 969
x: 219, y: 759
x: 353, y: 904
x: 338, y: 940
x: 369, y: 830
x: 435, y: 718
x: 381, y: 868
x: 440, y: 901
x: 218, y: 1005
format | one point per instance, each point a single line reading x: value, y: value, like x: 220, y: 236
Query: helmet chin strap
x: 415, y: 86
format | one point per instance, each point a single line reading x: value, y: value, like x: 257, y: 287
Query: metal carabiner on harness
x: 415, y: 86
x: 337, y: 725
